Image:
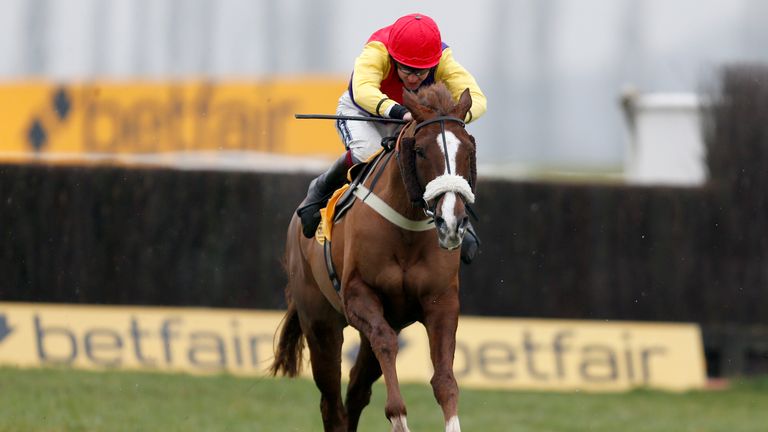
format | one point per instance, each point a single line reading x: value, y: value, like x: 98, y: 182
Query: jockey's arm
x: 371, y: 66
x: 457, y: 79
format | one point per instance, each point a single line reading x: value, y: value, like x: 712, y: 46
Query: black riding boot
x: 319, y: 191
x: 470, y: 246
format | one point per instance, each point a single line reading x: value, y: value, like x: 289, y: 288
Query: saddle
x: 344, y: 197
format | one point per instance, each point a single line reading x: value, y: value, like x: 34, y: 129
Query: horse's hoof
x: 399, y: 424
x: 452, y: 425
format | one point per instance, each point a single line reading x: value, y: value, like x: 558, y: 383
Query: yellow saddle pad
x: 326, y: 216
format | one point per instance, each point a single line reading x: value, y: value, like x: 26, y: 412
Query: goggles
x: 408, y: 71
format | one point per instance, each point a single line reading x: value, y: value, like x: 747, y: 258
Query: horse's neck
x: 391, y: 189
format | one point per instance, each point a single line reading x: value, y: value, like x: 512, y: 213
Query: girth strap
x: 331, y: 268
x: 391, y: 214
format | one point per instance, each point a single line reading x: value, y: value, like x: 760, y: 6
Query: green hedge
x: 144, y: 236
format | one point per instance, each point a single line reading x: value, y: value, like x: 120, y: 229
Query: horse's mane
x: 437, y: 98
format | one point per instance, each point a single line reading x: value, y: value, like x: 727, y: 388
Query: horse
x: 392, y: 273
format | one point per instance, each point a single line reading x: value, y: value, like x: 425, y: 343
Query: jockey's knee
x: 362, y: 151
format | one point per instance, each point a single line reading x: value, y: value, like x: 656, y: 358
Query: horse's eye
x: 419, y: 151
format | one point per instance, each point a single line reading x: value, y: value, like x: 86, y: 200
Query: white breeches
x: 362, y: 138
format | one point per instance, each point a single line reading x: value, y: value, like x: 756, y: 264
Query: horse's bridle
x: 447, y: 182
x: 442, y: 120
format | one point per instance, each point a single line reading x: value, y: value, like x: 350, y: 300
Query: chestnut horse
x: 394, y: 270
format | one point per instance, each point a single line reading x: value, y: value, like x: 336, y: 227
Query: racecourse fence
x: 109, y: 235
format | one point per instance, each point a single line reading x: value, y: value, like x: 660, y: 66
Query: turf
x: 67, y: 400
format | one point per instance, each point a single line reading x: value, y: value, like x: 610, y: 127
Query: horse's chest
x: 393, y: 278
x: 387, y: 277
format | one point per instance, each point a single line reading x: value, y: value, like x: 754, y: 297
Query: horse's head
x: 437, y: 160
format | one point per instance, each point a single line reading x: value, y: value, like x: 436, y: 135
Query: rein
x: 448, y: 182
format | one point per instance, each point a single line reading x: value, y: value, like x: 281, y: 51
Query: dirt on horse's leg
x: 441, y: 319
x: 324, y: 341
x: 365, y: 313
x: 364, y: 373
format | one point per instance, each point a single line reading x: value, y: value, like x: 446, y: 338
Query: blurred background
x: 622, y: 158
x: 553, y: 70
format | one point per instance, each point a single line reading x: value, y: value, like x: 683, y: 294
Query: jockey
x: 405, y: 55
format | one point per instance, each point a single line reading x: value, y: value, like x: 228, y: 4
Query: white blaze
x: 452, y: 146
x: 449, y: 202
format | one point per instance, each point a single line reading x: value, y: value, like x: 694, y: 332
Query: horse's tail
x: 288, y: 355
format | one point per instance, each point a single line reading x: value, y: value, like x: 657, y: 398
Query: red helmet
x: 414, y: 40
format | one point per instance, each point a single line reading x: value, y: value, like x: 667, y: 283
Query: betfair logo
x: 147, y: 338
x: 50, y: 119
x: 158, y: 118
x: 166, y: 345
x: 126, y: 118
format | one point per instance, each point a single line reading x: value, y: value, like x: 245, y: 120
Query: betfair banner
x: 159, y: 117
x: 490, y: 352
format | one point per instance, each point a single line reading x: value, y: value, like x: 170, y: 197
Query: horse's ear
x: 411, y: 101
x: 465, y: 103
x: 407, y: 160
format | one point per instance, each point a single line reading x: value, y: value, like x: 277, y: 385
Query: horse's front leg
x: 366, y: 313
x: 441, y: 317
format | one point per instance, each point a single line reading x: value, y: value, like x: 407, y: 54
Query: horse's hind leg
x: 364, y: 373
x: 441, y: 319
x: 365, y: 313
x: 324, y: 340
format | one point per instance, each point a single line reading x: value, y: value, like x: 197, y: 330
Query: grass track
x: 67, y: 400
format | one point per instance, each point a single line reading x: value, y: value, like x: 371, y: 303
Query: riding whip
x: 344, y: 117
